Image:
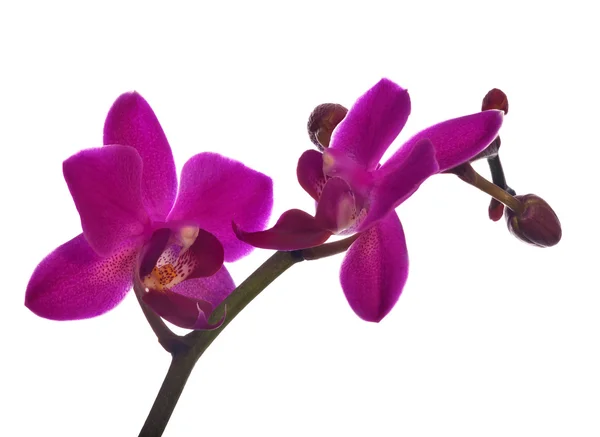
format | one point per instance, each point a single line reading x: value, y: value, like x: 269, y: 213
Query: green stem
x: 179, y: 371
x: 197, y: 342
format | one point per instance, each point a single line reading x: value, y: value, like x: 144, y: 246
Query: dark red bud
x: 537, y: 224
x: 322, y: 122
x: 495, y: 99
x: 495, y: 210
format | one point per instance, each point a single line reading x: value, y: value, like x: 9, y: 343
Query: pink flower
x: 138, y: 226
x: 354, y: 193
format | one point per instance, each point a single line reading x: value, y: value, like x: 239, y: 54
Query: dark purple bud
x: 323, y: 121
x: 495, y: 99
x: 537, y: 224
x: 495, y: 210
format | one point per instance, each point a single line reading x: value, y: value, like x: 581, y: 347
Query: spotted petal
x: 373, y: 123
x: 375, y: 269
x: 105, y: 185
x: 131, y: 122
x: 215, y: 191
x: 73, y: 282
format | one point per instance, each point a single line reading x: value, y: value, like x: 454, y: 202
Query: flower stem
x: 497, y: 171
x: 470, y: 176
x: 197, y: 342
x: 329, y: 249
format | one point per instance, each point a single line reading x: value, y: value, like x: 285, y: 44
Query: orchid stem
x: 470, y: 176
x: 184, y: 359
x: 497, y: 171
x: 329, y: 249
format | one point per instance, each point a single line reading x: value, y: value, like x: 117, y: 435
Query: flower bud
x: 495, y: 210
x: 322, y: 122
x: 537, y: 224
x: 495, y: 99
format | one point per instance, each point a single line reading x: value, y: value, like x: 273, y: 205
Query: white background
x: 491, y: 337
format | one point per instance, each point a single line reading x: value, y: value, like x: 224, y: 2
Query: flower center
x: 169, y: 258
x: 351, y: 211
x: 337, y: 163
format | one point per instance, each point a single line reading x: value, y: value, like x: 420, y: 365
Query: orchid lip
x: 166, y: 259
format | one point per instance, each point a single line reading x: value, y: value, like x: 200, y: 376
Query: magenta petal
x: 336, y: 208
x: 152, y: 250
x: 212, y: 289
x: 460, y: 139
x: 373, y: 123
x: 73, y: 282
x: 180, y: 310
x: 295, y: 229
x: 399, y: 178
x: 215, y: 191
x: 208, y: 253
x: 131, y: 122
x: 105, y: 185
x: 375, y: 269
x: 310, y: 173
x: 190, y: 303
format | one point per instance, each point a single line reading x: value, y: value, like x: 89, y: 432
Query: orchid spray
x: 140, y: 229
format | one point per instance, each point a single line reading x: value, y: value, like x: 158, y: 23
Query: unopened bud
x: 495, y: 210
x: 537, y: 224
x: 322, y: 122
x: 495, y: 99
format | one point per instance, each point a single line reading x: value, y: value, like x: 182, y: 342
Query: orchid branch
x: 196, y: 342
x: 468, y: 174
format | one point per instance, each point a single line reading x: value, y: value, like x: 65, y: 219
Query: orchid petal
x: 190, y: 303
x: 208, y: 254
x: 458, y: 140
x: 73, y: 282
x: 152, y: 250
x: 373, y: 123
x: 375, y: 269
x: 294, y: 230
x: 212, y: 289
x: 105, y: 185
x: 131, y: 122
x: 215, y: 191
x: 336, y: 208
x: 398, y: 179
x: 310, y: 173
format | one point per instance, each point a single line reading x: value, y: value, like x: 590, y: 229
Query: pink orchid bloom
x: 354, y: 193
x: 137, y: 226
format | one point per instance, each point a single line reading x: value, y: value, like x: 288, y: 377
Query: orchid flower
x: 138, y: 227
x: 354, y: 193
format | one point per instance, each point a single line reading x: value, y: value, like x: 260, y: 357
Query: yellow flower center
x: 176, y: 262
